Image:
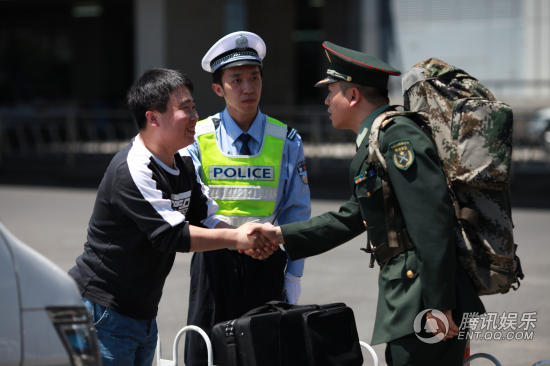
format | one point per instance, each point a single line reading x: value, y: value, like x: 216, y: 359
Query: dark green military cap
x: 355, y: 67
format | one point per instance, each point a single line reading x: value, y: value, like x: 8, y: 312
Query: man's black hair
x: 152, y: 92
x: 217, y: 75
x: 373, y: 94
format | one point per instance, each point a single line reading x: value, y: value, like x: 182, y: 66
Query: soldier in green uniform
x: 419, y: 272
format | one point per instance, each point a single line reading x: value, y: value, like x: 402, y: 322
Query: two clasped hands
x: 258, y: 240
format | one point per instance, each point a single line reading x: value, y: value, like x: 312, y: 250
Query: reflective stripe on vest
x: 244, y: 187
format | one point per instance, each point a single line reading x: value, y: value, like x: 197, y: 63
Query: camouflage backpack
x: 473, y: 135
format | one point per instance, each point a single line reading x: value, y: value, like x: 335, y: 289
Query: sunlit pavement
x: 54, y: 221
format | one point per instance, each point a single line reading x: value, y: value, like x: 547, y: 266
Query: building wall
x: 504, y: 43
x: 293, y: 32
x: 274, y: 21
x: 149, y: 35
x: 536, y: 50
x: 191, y: 28
x: 59, y: 53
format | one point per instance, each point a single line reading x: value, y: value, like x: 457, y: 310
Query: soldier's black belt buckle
x: 369, y: 248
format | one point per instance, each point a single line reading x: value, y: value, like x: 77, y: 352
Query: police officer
x: 418, y: 265
x: 255, y: 169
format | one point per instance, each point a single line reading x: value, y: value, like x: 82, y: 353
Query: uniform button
x: 365, y: 223
x: 368, y: 194
x: 410, y: 274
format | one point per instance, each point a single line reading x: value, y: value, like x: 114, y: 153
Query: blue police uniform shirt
x: 293, y: 198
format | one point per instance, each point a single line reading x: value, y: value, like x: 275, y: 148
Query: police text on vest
x: 241, y: 172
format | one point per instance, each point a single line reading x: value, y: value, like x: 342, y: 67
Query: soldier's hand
x: 453, y: 328
x: 253, y: 243
x: 269, y: 234
x: 436, y: 325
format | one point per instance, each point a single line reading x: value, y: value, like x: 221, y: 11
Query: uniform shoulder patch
x: 301, y: 169
x: 402, y: 153
x: 290, y: 133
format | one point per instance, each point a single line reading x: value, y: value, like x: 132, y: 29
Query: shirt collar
x: 233, y: 130
x: 367, y: 123
x: 140, y: 144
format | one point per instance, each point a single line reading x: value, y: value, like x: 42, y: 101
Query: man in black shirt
x: 150, y: 204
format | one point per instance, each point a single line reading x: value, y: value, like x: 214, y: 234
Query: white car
x: 42, y: 318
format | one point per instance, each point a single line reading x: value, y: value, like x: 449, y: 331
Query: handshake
x: 258, y: 240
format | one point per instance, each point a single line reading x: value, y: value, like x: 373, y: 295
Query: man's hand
x: 271, y: 234
x: 252, y: 242
x: 436, y: 325
x: 453, y: 328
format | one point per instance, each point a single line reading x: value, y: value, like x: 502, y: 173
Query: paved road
x: 53, y: 221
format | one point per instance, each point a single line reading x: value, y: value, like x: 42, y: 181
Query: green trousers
x: 410, y: 351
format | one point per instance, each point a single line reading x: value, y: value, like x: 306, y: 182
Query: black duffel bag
x: 280, y: 334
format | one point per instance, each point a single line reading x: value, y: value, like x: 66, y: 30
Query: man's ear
x: 354, y: 96
x: 218, y: 89
x: 152, y: 118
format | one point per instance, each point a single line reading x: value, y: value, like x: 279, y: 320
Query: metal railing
x: 68, y: 131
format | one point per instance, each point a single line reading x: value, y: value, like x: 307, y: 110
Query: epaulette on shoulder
x: 291, y: 133
x: 216, y: 121
x: 393, y: 116
x: 415, y: 119
x: 388, y: 121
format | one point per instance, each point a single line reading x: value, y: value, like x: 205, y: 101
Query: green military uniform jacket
x: 424, y: 277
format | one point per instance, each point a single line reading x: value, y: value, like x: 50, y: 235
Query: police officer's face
x: 179, y: 120
x: 338, y: 106
x: 241, y: 88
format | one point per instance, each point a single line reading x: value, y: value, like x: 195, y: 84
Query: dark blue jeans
x: 123, y: 341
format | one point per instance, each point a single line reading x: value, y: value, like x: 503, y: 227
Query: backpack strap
x: 380, y: 123
x: 398, y: 240
x: 389, y: 211
x: 375, y: 156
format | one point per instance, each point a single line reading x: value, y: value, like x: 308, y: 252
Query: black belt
x: 384, y: 252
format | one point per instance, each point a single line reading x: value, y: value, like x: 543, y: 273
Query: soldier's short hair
x: 372, y: 94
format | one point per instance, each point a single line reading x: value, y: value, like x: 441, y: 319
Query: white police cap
x: 235, y: 49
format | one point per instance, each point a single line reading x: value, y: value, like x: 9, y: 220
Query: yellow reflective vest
x: 244, y: 186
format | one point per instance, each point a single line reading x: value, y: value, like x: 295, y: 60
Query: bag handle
x: 282, y: 307
x: 270, y: 307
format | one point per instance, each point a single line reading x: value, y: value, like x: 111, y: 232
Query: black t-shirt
x: 140, y: 220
